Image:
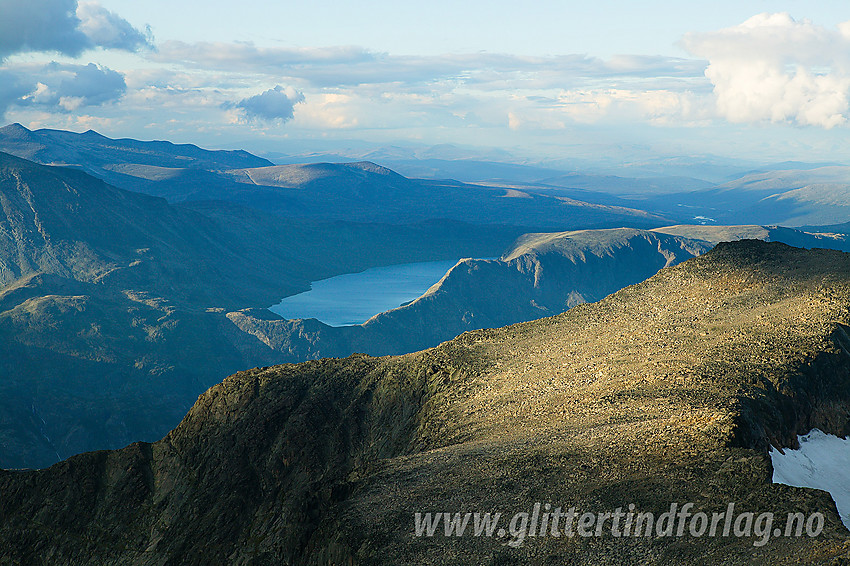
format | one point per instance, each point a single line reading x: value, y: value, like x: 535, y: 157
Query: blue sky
x: 755, y: 79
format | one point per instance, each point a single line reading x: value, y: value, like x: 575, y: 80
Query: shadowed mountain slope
x: 63, y: 222
x: 542, y: 275
x: 112, y: 303
x: 667, y: 391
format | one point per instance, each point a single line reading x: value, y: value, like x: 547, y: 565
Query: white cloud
x: 348, y: 66
x: 773, y: 68
x: 351, y: 87
x: 276, y: 104
x: 108, y: 29
x: 63, y: 26
x: 67, y: 88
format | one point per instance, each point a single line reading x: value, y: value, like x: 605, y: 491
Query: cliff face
x: 667, y: 391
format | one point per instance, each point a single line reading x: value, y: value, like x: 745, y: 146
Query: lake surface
x: 354, y: 298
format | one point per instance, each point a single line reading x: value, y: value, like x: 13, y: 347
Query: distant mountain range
x: 788, y: 197
x: 95, y: 153
x: 354, y: 192
x: 477, y: 164
x: 790, y: 193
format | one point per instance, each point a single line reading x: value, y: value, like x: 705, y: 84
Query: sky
x: 753, y: 79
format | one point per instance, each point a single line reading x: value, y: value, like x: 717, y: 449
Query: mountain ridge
x: 113, y: 303
x: 90, y: 148
x: 530, y: 281
x: 540, y: 275
x: 610, y: 403
x: 360, y: 192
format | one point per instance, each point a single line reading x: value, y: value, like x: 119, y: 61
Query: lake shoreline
x: 353, y: 298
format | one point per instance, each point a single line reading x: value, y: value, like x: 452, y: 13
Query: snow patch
x: 822, y: 462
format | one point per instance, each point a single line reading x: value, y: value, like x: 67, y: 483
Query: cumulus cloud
x: 773, y: 68
x: 92, y: 84
x: 63, y: 26
x: 349, y: 87
x: 108, y: 29
x: 67, y: 88
x: 275, y: 104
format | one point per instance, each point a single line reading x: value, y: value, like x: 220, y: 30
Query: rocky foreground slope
x: 667, y: 391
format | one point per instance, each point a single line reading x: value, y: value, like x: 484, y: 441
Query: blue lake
x: 354, y: 298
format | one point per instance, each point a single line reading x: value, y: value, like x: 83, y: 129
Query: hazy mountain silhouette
x: 798, y: 197
x: 354, y: 192
x: 92, y: 151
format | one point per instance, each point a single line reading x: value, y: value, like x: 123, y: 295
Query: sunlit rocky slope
x: 667, y: 391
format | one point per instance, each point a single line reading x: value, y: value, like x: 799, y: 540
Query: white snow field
x: 822, y: 462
